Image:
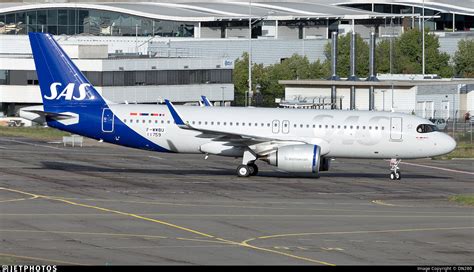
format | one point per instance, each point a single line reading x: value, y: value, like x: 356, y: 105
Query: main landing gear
x: 248, y: 166
x: 245, y: 170
x: 395, y: 173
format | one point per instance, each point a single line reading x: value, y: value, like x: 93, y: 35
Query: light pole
x: 136, y: 38
x: 423, y: 39
x: 250, y: 53
x: 383, y: 99
x: 222, y: 87
x: 454, y: 113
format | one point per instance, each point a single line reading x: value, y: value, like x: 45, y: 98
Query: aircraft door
x: 396, y: 128
x: 107, y: 120
x: 285, y: 126
x: 276, y: 126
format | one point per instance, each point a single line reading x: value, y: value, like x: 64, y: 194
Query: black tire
x: 398, y: 175
x: 243, y: 171
x: 253, y: 169
x: 392, y: 176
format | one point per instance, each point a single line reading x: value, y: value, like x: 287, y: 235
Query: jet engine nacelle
x: 324, y: 164
x: 304, y: 158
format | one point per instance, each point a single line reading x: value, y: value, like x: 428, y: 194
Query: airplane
x: 298, y: 141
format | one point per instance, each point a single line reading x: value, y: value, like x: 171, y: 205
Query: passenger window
x: 212, y: 123
x: 314, y: 126
x: 301, y: 125
x: 376, y: 128
x: 168, y: 121
x: 205, y: 123
x: 149, y: 121
x: 218, y: 123
x: 250, y: 124
x: 332, y: 126
x: 156, y: 121
x: 339, y: 126
x: 225, y: 123
x: 199, y: 122
x: 351, y: 127
x: 327, y: 126
x: 143, y: 121
x: 230, y: 123
x: 125, y: 120
x: 262, y: 124
x: 256, y: 124
x: 383, y: 127
x: 236, y: 123
x: 307, y: 126
x: 268, y: 124
x: 357, y: 127
x: 243, y: 124
x: 294, y: 125
x: 345, y: 127
x: 363, y: 127
x: 370, y: 127
x: 320, y: 126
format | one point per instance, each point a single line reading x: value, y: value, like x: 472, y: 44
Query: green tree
x: 382, y: 56
x: 408, y: 54
x: 265, y: 79
x: 319, y: 70
x: 240, y: 76
x: 464, y: 58
x: 343, y: 56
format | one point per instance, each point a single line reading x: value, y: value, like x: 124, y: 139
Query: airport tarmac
x: 104, y: 205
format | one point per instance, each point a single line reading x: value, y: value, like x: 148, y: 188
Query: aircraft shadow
x: 72, y: 167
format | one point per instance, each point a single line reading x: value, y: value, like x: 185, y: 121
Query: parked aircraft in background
x: 206, y: 101
x: 294, y: 140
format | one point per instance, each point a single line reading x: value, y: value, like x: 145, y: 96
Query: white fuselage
x: 349, y: 134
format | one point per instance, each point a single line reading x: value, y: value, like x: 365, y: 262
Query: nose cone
x: 448, y: 144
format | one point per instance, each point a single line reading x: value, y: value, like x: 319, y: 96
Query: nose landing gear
x: 395, y: 173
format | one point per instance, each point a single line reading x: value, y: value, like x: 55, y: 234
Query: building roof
x: 462, y: 7
x: 366, y: 84
x: 210, y: 11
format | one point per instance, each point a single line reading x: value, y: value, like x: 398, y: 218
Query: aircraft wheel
x: 398, y: 175
x: 253, y: 169
x: 392, y: 176
x: 243, y: 170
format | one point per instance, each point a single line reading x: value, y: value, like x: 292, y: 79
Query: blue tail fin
x: 206, y: 101
x: 62, y: 84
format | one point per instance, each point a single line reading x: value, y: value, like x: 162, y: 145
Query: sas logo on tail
x: 67, y: 92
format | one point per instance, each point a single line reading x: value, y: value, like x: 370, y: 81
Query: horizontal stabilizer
x: 53, y: 115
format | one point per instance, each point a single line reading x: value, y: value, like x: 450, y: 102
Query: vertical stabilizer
x: 62, y: 84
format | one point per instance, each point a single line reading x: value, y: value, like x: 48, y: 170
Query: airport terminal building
x: 150, y: 50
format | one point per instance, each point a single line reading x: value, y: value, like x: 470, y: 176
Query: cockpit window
x: 426, y: 128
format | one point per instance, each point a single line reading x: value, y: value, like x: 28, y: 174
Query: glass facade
x: 91, y: 22
x: 130, y: 78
